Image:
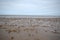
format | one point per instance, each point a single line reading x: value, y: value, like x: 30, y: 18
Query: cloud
x: 30, y: 6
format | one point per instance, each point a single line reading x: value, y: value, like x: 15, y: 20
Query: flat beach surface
x: 29, y: 28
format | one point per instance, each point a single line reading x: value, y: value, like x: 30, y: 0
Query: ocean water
x: 29, y: 16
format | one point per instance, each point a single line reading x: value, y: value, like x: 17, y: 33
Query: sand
x: 29, y: 28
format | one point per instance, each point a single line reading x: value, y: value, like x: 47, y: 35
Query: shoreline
x: 27, y: 16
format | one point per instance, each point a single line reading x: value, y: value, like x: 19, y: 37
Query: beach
x: 29, y: 28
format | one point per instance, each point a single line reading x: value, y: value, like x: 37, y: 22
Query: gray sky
x: 30, y: 7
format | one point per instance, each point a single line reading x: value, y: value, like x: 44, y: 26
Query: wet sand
x: 29, y: 28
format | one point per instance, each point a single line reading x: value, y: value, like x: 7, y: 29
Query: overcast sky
x: 30, y: 7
